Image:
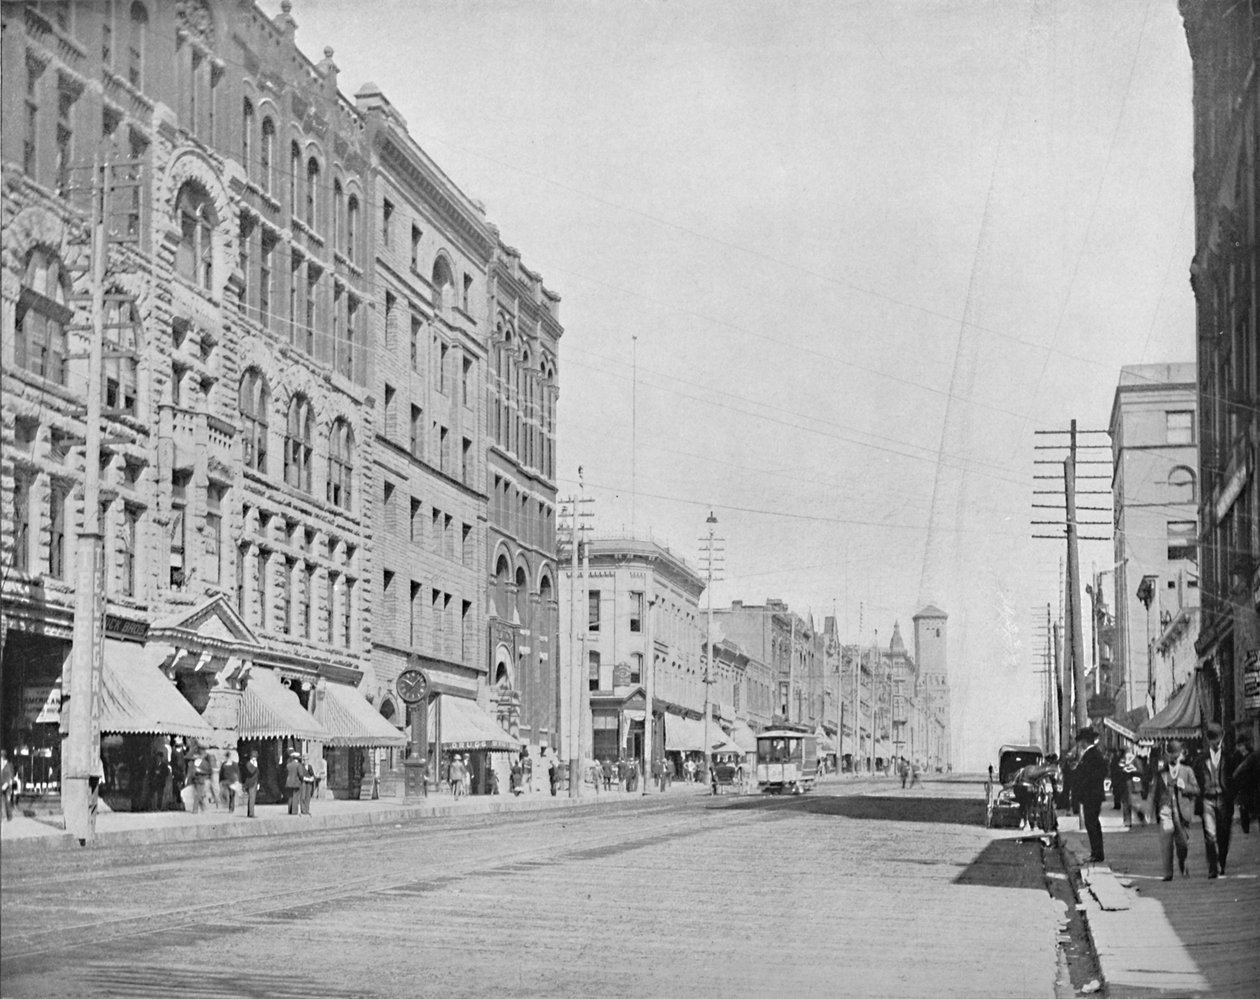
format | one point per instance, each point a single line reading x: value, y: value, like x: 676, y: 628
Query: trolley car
x: 787, y: 760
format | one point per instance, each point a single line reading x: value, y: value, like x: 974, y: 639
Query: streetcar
x: 787, y: 760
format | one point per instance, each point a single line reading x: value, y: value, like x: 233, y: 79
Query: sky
x: 825, y: 270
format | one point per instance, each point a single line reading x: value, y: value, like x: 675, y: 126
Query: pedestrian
x: 1245, y: 782
x: 1088, y: 782
x: 321, y: 775
x: 250, y: 773
x: 516, y: 778
x: 1173, y: 790
x: 308, y: 784
x: 293, y: 783
x: 553, y: 773
x: 230, y: 780
x: 1214, y: 779
x: 7, y: 778
x: 1130, y: 790
x: 527, y: 770
x: 915, y: 770
x: 904, y: 769
x: 607, y: 771
x: 212, y: 778
x: 456, y: 776
x: 1115, y: 764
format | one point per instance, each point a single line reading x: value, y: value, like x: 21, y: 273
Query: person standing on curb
x: 1245, y: 782
x: 308, y: 784
x: 293, y: 783
x: 1173, y: 790
x: 1210, y: 770
x: 456, y: 776
x: 251, y: 783
x: 229, y: 780
x: 1089, y: 784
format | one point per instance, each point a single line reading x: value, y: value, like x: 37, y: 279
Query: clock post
x: 413, y: 688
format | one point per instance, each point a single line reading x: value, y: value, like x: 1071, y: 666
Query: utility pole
x: 856, y: 713
x: 1074, y: 585
x: 576, y: 687
x: 710, y: 555
x: 874, y: 697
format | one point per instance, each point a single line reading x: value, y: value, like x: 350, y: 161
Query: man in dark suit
x: 293, y: 784
x: 250, y: 772
x: 1212, y: 772
x: 1089, y: 788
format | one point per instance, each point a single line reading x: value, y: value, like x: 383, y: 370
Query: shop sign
x: 1233, y: 488
x: 125, y: 627
x: 42, y: 705
x: 1101, y: 706
x: 621, y: 675
x: 1251, y: 681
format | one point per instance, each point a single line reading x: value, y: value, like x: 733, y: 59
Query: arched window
x: 1181, y: 485
x: 42, y: 317
x: 295, y: 171
x: 255, y: 400
x: 501, y: 575
x: 119, y: 388
x: 194, y: 257
x: 247, y: 137
x: 135, y: 45
x: 340, y: 464
x: 267, y: 154
x: 352, y: 226
x: 338, y: 208
x: 522, y: 597
x: 298, y: 445
x: 312, y: 187
x: 443, y: 283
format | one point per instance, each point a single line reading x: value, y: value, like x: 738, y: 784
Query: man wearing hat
x: 1088, y: 785
x: 293, y: 783
x: 1212, y: 773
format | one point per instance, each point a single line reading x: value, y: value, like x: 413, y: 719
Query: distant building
x: 1154, y: 496
x: 932, y: 694
x: 1224, y: 40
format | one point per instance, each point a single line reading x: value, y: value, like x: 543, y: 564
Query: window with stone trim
x: 139, y: 18
x: 341, y: 464
x: 267, y: 155
x: 21, y: 558
x: 255, y: 400
x: 194, y: 255
x: 42, y: 317
x: 299, y: 443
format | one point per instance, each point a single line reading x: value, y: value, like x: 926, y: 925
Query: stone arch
x: 33, y: 227
x: 503, y: 671
x: 190, y: 165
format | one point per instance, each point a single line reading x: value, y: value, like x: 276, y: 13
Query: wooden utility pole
x: 1076, y: 631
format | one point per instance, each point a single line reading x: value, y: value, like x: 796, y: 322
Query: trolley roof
x: 785, y: 733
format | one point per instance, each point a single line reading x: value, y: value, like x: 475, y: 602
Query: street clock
x: 412, y: 685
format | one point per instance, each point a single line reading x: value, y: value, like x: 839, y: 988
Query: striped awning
x: 138, y: 699
x: 466, y: 726
x: 1178, y: 719
x: 344, y: 712
x: 269, y: 710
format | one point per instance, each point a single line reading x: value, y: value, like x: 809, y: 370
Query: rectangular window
x: 330, y: 607
x: 21, y: 523
x: 312, y: 289
x: 417, y: 432
x: 387, y: 506
x: 443, y: 351
x: 260, y: 568
x: 467, y: 290
x: 289, y: 617
x: 307, y: 597
x: 636, y: 667
x: 387, y: 215
x: 67, y: 96
x: 465, y: 461
x: 415, y: 249
x: 592, y: 610
x: 466, y: 545
x: 636, y: 611
x: 416, y: 608
x: 214, y: 534
x: 415, y: 344
x: 592, y: 670
x: 295, y: 287
x: 465, y: 386
x: 264, y: 280
x: 347, y: 608
x: 352, y: 328
x: 179, y: 529
x: 242, y: 562
x: 1180, y: 426
x: 466, y: 638
x: 444, y: 456
x: 439, y: 633
x: 1182, y: 540
x: 387, y: 592
x: 242, y: 244
x: 391, y: 427
x: 448, y: 536
x: 416, y: 523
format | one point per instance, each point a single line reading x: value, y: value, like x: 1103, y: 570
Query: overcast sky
x: 860, y: 249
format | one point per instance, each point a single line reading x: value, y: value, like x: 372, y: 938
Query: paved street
x: 860, y: 889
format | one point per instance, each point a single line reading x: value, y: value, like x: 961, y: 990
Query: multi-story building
x: 1154, y: 498
x: 903, y: 677
x: 1224, y: 40
x: 294, y: 467
x: 639, y: 610
x: 932, y: 693
x: 790, y: 646
x: 521, y: 394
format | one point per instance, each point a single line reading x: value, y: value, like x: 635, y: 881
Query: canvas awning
x: 467, y: 726
x: 138, y: 699
x: 269, y: 710
x: 744, y: 737
x: 686, y: 735
x: 722, y: 743
x: 349, y: 718
x: 1178, y: 719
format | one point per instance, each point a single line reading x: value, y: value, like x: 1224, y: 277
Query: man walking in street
x: 1213, y: 778
x: 251, y: 782
x: 1089, y: 783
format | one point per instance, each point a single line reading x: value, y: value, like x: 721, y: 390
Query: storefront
x: 355, y: 732
x: 31, y: 696
x: 273, y: 721
x: 460, y: 726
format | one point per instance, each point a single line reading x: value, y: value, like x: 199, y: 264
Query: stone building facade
x: 1224, y: 40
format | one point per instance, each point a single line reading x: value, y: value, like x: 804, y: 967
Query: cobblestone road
x: 845, y: 892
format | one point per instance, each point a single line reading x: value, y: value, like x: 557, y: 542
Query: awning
x: 722, y: 743
x: 744, y: 737
x: 269, y: 710
x: 352, y: 721
x: 467, y: 726
x: 137, y: 698
x: 685, y: 735
x: 1178, y: 719
x: 825, y: 743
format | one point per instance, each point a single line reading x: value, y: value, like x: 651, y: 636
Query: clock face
x: 412, y: 685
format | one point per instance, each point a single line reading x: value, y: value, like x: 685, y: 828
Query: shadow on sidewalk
x: 950, y: 811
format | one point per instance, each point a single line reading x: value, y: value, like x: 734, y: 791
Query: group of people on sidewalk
x: 1174, y: 789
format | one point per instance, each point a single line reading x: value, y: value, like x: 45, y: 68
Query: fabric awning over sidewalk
x: 349, y: 718
x: 686, y: 735
x: 1178, y: 719
x: 138, y: 699
x: 744, y: 737
x: 467, y: 726
x: 270, y: 711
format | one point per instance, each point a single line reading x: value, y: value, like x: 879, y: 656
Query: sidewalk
x: 26, y: 835
x: 1189, y: 936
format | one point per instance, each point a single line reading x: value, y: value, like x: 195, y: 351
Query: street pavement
x: 1190, y: 936
x: 858, y: 889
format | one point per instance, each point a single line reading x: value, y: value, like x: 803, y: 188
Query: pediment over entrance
x: 213, y: 624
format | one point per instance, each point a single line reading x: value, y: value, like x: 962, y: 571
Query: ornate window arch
x: 139, y: 17
x: 43, y: 315
x: 299, y: 443
x: 352, y: 226
x: 443, y: 281
x: 255, y: 401
x: 267, y: 155
x: 341, y: 464
x: 312, y: 192
x: 247, y: 136
x: 194, y: 256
